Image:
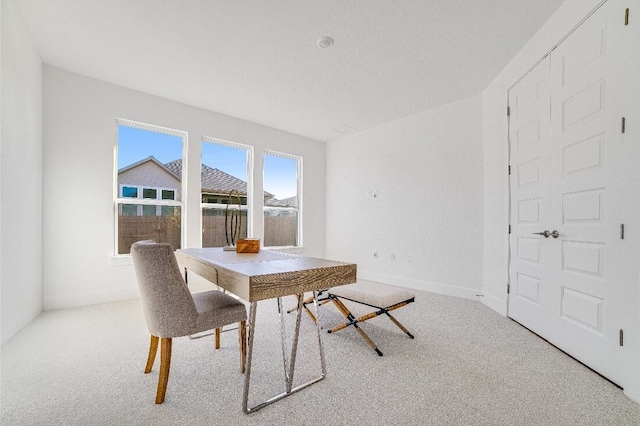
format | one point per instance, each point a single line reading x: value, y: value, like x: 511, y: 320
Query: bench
x: 384, y: 298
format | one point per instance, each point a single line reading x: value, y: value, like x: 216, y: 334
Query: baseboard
x: 492, y: 302
x: 430, y: 286
x: 633, y: 393
x: 92, y: 298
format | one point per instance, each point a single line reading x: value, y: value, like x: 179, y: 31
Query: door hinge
x: 622, y: 231
x: 509, y: 228
x: 508, y: 288
x: 626, y: 16
x: 508, y: 112
x: 509, y: 169
x: 621, y: 337
x: 622, y: 125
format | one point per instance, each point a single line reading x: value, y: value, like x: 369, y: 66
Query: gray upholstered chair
x: 171, y: 310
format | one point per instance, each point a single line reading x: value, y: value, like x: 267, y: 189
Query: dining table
x: 270, y: 274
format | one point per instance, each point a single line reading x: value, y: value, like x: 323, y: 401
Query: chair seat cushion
x: 373, y: 294
x: 216, y: 309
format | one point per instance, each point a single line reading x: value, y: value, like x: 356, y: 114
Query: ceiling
x: 259, y: 61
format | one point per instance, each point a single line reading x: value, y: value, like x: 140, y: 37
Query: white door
x: 568, y: 176
x: 531, y: 299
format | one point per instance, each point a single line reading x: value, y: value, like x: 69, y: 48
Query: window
x: 224, y: 168
x: 149, y: 185
x: 282, y: 185
x: 150, y: 194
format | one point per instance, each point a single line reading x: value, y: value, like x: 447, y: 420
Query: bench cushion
x: 371, y: 293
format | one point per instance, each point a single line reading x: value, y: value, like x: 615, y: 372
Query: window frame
x: 299, y: 195
x: 139, y: 201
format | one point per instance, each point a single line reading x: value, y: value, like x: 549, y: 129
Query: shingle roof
x: 287, y: 202
x: 214, y: 180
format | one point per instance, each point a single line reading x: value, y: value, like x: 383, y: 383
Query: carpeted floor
x: 466, y: 366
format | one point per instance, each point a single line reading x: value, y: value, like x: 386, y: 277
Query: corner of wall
x: 21, y: 169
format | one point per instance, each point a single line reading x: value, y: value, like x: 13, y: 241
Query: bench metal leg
x: 354, y: 321
x: 396, y: 322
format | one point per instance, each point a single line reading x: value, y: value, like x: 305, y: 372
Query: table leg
x: 316, y: 305
x: 289, y: 363
x: 283, y: 339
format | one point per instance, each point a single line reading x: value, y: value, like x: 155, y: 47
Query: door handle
x: 544, y: 233
x: 547, y: 234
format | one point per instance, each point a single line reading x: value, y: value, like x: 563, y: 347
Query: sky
x: 137, y: 144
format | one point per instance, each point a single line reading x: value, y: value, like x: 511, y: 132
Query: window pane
x: 128, y: 210
x: 280, y: 228
x: 224, y: 168
x: 148, y: 210
x: 129, y: 192
x: 169, y: 210
x: 149, y: 193
x: 161, y: 229
x: 280, y: 181
x: 148, y: 160
x: 281, y: 190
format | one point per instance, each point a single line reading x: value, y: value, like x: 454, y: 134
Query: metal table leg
x: 289, y: 362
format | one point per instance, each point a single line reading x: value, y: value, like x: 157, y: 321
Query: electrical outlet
x: 408, y: 258
x: 393, y: 256
x: 375, y: 254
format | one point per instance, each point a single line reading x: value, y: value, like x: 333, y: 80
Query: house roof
x: 285, y: 202
x: 156, y: 162
x: 213, y: 180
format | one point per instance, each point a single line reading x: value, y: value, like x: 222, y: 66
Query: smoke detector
x: 325, y: 42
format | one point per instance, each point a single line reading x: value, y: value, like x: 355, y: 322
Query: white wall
x: 79, y: 129
x: 21, y: 171
x: 427, y: 171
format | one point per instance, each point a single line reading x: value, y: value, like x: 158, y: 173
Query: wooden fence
x: 213, y: 231
x: 279, y: 231
x: 161, y: 229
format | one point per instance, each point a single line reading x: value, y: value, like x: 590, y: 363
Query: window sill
x: 284, y: 248
x: 121, y: 260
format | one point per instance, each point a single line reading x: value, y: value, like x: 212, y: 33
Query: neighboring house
x: 147, y: 179
x: 151, y: 179
x: 285, y: 202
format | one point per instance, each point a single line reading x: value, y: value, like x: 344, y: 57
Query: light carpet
x: 467, y: 366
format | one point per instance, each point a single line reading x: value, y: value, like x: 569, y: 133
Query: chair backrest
x: 166, y: 300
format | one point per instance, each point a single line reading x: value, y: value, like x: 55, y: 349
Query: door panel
x: 584, y: 200
x: 529, y: 135
x: 571, y: 289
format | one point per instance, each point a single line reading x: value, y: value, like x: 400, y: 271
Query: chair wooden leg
x: 153, y: 349
x: 242, y: 335
x: 165, y: 363
x: 217, y: 338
